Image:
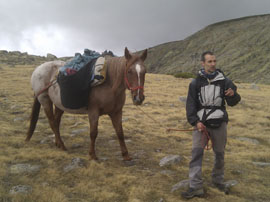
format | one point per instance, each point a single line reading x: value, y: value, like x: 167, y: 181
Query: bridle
x: 129, y: 87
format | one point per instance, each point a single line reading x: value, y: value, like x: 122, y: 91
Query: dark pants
x: 219, y: 138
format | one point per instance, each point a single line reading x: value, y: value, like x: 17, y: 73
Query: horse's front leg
x: 117, y: 124
x: 93, y: 120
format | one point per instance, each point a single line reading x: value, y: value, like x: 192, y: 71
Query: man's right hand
x: 200, y: 126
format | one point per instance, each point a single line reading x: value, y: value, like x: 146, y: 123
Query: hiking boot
x: 190, y: 193
x: 222, y: 187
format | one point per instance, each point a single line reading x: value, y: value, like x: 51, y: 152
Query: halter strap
x: 129, y: 86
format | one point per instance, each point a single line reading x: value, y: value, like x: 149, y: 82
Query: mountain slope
x: 242, y: 47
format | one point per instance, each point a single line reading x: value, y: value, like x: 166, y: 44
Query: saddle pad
x: 74, y: 88
x: 99, y: 72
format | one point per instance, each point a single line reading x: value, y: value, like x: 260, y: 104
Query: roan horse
x: 127, y: 72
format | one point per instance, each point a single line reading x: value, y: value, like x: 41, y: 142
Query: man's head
x: 208, y: 61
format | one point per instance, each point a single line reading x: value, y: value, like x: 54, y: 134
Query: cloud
x: 63, y: 27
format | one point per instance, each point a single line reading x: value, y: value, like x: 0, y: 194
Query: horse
x: 108, y: 98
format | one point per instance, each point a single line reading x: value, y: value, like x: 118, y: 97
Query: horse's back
x: 43, y: 75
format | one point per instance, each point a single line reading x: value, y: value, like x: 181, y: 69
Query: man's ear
x: 202, y: 63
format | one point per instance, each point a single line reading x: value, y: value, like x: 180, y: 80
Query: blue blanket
x: 78, y: 62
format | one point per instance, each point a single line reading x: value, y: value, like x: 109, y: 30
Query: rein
x: 167, y: 129
x: 46, y: 87
x: 205, y: 134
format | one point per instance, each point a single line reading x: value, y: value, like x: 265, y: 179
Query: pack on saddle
x: 77, y: 76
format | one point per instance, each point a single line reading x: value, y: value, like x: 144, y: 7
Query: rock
x: 138, y: 154
x: 76, y: 146
x: 236, y: 172
x: 112, y: 141
x: 24, y: 168
x: 18, y: 119
x: 45, y: 184
x: 250, y: 140
x: 129, y: 163
x: 183, y: 99
x: 124, y: 119
x: 168, y: 160
x: 254, y: 86
x: 46, y: 140
x: 51, y: 56
x: 75, y: 163
x: 167, y: 172
x: 261, y: 164
x: 183, y: 183
x: 78, y: 131
x: 103, y: 159
x: 230, y: 183
x: 76, y: 124
x: 21, y: 189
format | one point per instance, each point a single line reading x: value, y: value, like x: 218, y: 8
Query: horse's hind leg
x: 117, y: 124
x: 54, y: 121
x: 93, y: 120
x: 57, y: 119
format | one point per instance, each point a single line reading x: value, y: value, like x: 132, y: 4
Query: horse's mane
x: 116, y: 69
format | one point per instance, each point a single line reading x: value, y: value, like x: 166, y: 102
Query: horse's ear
x: 144, y: 55
x: 127, y: 54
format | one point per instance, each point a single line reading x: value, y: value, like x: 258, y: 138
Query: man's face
x: 209, y: 64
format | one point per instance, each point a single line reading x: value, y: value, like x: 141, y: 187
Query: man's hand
x: 200, y: 126
x: 229, y: 92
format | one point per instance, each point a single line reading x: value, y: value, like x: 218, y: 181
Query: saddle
x: 75, y: 85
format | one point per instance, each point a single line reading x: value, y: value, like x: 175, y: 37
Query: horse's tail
x: 33, y: 119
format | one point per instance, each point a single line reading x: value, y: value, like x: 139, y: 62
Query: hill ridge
x: 243, y: 55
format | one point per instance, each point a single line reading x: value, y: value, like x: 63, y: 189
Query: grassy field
x: 112, y: 180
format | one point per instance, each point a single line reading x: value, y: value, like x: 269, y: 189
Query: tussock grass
x: 110, y: 179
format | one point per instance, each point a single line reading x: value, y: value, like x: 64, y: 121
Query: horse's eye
x: 129, y: 71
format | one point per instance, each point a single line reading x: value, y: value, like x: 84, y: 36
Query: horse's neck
x: 116, y: 71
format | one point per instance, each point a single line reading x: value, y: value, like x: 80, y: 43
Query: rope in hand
x: 205, y: 133
x: 167, y: 129
x: 206, y: 145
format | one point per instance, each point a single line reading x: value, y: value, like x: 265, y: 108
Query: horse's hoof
x: 61, y: 146
x: 127, y: 158
x: 93, y: 158
x: 129, y: 163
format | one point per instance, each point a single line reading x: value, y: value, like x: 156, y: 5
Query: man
x: 206, y: 111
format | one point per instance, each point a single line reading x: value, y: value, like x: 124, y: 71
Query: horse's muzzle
x: 138, y: 100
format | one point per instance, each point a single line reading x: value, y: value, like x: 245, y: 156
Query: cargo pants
x: 219, y: 139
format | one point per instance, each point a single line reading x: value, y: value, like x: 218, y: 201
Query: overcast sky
x: 63, y: 27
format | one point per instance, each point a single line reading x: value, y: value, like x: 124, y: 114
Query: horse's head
x: 135, y: 75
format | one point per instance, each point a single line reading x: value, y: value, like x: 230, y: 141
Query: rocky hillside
x: 12, y: 58
x: 242, y: 47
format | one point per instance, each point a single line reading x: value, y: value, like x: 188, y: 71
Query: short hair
x: 206, y: 53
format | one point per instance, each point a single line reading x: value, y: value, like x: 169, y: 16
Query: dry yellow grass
x: 110, y: 179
